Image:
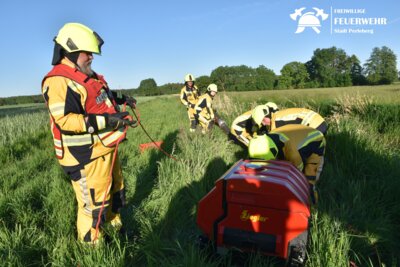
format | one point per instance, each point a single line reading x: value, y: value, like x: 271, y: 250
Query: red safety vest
x: 96, y: 90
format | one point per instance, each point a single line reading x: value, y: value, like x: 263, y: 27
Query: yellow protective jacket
x: 302, y: 116
x: 204, y: 109
x: 73, y: 100
x: 189, y: 95
x: 244, y: 128
x: 301, y: 145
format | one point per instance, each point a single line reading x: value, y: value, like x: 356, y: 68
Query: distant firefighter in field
x: 189, y: 96
x: 301, y: 145
x: 204, y: 109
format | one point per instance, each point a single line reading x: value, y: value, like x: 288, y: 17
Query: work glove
x: 98, y: 122
x: 130, y: 101
x: 263, y: 130
x: 117, y: 120
x: 121, y: 99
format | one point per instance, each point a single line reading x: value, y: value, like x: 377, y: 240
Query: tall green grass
x: 385, y: 94
x: 356, y: 220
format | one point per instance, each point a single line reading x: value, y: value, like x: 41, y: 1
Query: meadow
x: 356, y: 222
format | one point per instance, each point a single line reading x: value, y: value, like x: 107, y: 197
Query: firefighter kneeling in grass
x: 247, y: 125
x: 189, y: 96
x: 301, y: 145
x: 86, y: 124
x: 298, y: 116
x: 265, y: 118
x: 204, y: 110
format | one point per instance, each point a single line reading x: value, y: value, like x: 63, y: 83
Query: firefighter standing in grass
x: 86, y: 124
x: 301, y: 145
x: 189, y: 96
x: 204, y: 110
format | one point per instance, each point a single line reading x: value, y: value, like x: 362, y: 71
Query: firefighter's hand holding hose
x: 125, y: 100
x: 130, y: 101
x: 120, y: 119
x: 190, y: 105
x: 98, y: 122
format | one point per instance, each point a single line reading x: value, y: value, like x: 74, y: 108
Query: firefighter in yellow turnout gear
x: 189, y: 96
x: 86, y: 124
x: 265, y: 118
x: 246, y: 126
x: 301, y: 145
x: 204, y: 110
x: 243, y: 128
x: 302, y: 116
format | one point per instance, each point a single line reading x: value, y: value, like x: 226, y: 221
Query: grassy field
x: 357, y: 219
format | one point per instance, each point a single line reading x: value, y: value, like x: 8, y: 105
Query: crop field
x: 356, y: 222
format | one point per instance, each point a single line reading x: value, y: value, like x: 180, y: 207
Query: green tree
x: 148, y: 87
x: 265, y: 78
x: 356, y: 71
x: 293, y: 75
x: 381, y: 67
x: 170, y: 88
x: 330, y: 67
x: 202, y: 82
x: 220, y: 76
x: 241, y: 78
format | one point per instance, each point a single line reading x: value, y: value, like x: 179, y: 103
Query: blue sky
x: 165, y: 40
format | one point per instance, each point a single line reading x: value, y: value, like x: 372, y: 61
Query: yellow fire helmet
x: 212, y: 88
x: 272, y: 107
x: 259, y: 113
x: 262, y: 147
x: 189, y: 78
x: 75, y: 37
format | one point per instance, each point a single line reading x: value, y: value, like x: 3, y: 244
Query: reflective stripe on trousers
x: 90, y: 189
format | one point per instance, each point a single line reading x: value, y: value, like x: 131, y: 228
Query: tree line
x: 328, y: 67
x: 16, y: 100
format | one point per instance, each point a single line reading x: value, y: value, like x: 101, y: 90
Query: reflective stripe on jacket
x: 302, y: 116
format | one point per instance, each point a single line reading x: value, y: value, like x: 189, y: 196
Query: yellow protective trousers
x: 90, y: 186
x: 206, y: 124
x: 193, y: 122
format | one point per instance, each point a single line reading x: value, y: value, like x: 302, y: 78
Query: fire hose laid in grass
x: 217, y: 120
